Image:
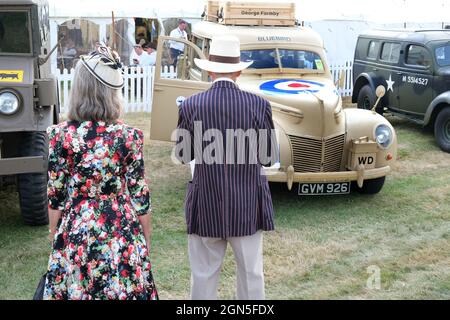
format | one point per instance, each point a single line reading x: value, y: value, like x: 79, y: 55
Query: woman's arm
x: 137, y: 184
x: 146, y: 223
x: 53, y: 216
x: 57, y: 177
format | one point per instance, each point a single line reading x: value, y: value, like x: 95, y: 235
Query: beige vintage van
x: 323, y: 147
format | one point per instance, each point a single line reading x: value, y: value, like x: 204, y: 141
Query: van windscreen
x: 15, y: 32
x: 289, y: 58
x: 443, y: 55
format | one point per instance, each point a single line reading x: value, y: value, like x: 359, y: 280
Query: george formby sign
x: 255, y: 13
x: 251, y: 13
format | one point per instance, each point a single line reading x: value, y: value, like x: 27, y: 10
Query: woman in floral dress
x: 99, y: 202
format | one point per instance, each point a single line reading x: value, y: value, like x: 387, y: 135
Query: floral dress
x: 96, y: 177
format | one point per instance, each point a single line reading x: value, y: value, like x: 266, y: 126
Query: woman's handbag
x: 39, y: 294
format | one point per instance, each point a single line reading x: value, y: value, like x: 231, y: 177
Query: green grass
x: 321, y: 248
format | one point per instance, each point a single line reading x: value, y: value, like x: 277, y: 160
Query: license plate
x: 314, y: 189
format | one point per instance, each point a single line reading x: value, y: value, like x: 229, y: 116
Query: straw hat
x: 224, y: 56
x: 105, y: 66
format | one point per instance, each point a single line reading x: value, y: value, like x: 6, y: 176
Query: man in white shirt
x: 150, y: 58
x: 176, y: 47
x: 137, y: 54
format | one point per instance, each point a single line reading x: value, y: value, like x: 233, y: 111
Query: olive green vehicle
x: 28, y: 103
x: 324, y: 148
x: 414, y: 65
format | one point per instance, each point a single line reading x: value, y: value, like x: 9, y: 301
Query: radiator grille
x: 313, y: 155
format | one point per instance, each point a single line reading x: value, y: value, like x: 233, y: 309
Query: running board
x: 406, y: 116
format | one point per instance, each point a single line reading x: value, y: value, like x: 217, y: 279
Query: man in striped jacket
x: 230, y: 134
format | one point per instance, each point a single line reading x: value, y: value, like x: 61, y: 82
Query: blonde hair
x: 91, y: 100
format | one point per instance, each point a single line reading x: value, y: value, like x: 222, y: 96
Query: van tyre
x: 33, y: 186
x: 367, y: 98
x: 442, y: 129
x: 372, y: 186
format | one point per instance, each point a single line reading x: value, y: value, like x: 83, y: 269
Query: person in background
x: 69, y: 53
x: 137, y: 54
x: 305, y: 63
x: 99, y: 200
x: 150, y: 58
x: 141, y: 32
x: 176, y: 47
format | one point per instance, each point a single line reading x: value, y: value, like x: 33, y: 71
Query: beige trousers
x: 206, y: 256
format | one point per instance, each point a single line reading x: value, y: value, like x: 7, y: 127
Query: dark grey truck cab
x: 414, y: 67
x: 28, y: 103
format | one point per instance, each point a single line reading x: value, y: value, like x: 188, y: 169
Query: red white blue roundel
x: 291, y: 86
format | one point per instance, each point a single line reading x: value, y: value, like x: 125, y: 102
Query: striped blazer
x: 226, y: 200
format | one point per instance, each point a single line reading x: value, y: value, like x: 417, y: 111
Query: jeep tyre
x: 33, y: 186
x: 367, y: 98
x: 371, y: 186
x: 442, y: 129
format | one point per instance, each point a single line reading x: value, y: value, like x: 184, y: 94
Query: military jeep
x: 324, y: 148
x: 28, y: 103
x: 414, y: 65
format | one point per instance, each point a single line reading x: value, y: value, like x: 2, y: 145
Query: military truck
x: 28, y: 103
x: 324, y: 148
x: 414, y: 65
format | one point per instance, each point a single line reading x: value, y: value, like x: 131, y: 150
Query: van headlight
x: 384, y: 135
x: 9, y: 102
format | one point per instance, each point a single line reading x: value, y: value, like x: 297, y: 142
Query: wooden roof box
x: 251, y: 13
x: 212, y: 11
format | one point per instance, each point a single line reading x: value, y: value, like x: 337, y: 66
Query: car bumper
x: 11, y: 166
x: 290, y: 176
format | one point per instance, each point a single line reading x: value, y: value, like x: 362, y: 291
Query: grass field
x: 323, y: 247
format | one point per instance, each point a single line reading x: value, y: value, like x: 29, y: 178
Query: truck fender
x: 438, y: 103
x: 361, y: 81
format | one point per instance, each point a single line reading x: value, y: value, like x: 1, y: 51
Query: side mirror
x: 380, y: 92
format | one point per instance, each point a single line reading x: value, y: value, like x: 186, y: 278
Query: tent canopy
x: 125, y: 9
x: 382, y: 11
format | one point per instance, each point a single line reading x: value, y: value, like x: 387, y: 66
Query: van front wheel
x: 366, y: 99
x: 442, y: 129
x: 372, y: 186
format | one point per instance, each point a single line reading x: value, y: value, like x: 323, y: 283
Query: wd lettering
x: 366, y: 160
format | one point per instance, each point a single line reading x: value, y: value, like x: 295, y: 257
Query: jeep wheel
x: 33, y: 186
x: 371, y: 186
x: 367, y: 99
x: 442, y: 129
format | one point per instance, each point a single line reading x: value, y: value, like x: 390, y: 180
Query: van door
x: 389, y: 71
x: 415, y: 87
x: 176, y: 78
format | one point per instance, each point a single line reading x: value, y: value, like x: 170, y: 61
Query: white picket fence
x: 139, y: 84
x: 137, y: 92
x: 346, y: 69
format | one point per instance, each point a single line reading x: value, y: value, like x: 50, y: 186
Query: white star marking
x: 390, y: 84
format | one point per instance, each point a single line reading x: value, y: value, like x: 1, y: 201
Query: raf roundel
x: 290, y: 86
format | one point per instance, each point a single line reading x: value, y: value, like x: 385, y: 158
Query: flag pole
x: 113, y: 31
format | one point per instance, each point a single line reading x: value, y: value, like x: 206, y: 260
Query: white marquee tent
x: 338, y: 22
x: 381, y: 11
